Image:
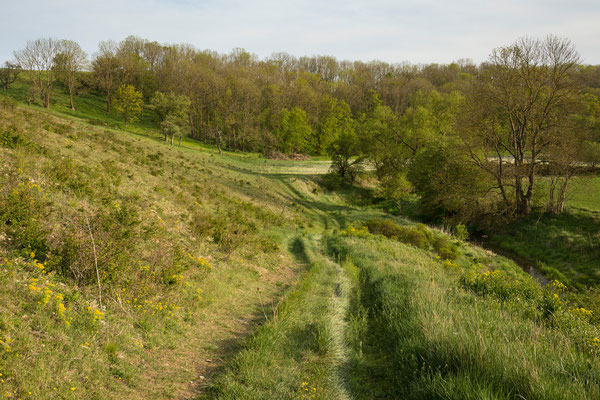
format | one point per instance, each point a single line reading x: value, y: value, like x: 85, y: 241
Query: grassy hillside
x: 187, y: 249
x: 89, y: 105
x: 566, y: 246
x: 132, y: 269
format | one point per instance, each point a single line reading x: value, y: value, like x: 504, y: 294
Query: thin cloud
x: 393, y: 31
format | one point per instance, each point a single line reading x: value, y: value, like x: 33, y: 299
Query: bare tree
x: 38, y: 58
x: 519, y: 110
x: 68, y: 62
x: 9, y: 74
x: 107, y: 70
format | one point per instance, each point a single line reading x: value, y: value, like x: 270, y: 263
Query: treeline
x: 469, y: 139
x: 281, y: 103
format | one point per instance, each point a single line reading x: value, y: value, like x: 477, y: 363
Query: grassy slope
x: 565, y: 246
x: 415, y: 326
x: 180, y: 201
x: 425, y: 335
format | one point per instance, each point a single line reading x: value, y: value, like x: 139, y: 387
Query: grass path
x: 300, y: 352
x: 340, y: 303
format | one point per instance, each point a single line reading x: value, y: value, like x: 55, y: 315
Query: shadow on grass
x: 567, y: 245
x: 327, y: 214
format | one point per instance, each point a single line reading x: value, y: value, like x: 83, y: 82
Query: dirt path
x: 183, y: 369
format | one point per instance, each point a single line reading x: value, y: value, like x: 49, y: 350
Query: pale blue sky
x: 394, y: 31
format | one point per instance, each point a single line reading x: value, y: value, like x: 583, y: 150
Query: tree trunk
x: 523, y: 202
x: 219, y: 141
x: 47, y: 99
x: 172, y: 139
x: 71, y: 100
x: 551, y: 204
x: 180, y: 138
x: 562, y: 195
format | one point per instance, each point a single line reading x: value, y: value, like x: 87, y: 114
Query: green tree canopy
x: 294, y: 130
x: 128, y: 102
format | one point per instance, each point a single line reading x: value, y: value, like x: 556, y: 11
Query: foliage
x: 346, y: 160
x: 171, y: 110
x: 69, y: 60
x: 23, y: 209
x: 294, y: 131
x: 449, y: 185
x: 9, y: 74
x: 170, y: 104
x: 419, y: 236
x: 518, y: 109
x: 461, y: 232
x: 129, y: 103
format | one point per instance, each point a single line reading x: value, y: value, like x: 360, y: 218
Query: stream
x: 525, y: 264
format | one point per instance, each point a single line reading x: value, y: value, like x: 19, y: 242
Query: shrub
x: 23, y: 209
x: 549, y: 304
x: 461, y: 232
x: 417, y: 236
x: 332, y: 181
x: 414, y: 237
x: 7, y: 103
x: 10, y: 137
x: 385, y: 227
x: 501, y: 285
x: 356, y: 232
x: 444, y: 247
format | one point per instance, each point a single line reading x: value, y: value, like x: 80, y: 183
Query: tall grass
x: 422, y: 335
x: 296, y: 354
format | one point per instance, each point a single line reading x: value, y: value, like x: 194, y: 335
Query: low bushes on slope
x: 418, y: 235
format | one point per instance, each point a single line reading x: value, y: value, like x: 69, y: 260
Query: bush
x: 385, y: 227
x: 7, y: 103
x: 502, y: 286
x: 444, y: 247
x: 332, y: 181
x: 352, y: 231
x: 416, y: 236
x: 23, y: 209
x: 10, y: 138
x: 461, y: 232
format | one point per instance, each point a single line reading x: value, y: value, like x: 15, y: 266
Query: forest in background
x: 495, y: 139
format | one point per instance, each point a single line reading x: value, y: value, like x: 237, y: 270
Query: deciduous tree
x: 129, y: 103
x: 294, y: 130
x: 9, y: 74
x: 520, y: 108
x: 172, y: 110
x: 107, y: 70
x: 38, y: 57
x: 68, y: 62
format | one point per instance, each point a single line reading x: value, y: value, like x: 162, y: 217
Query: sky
x: 427, y: 31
